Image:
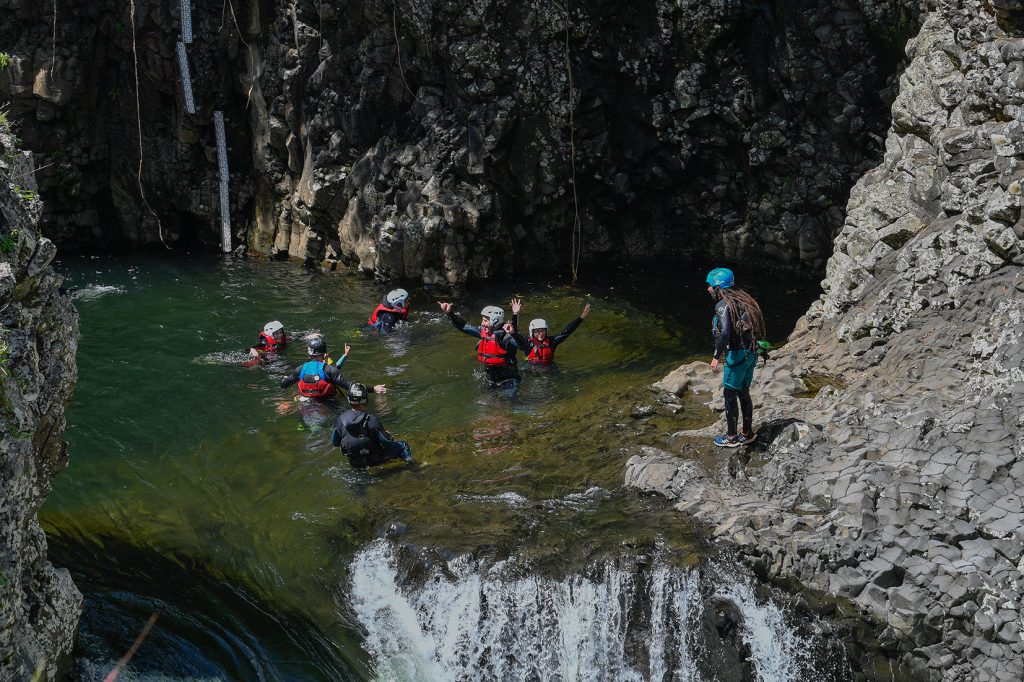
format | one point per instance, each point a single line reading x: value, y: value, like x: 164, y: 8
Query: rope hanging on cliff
x: 577, y: 225
x: 138, y: 119
x: 398, y: 47
x: 53, y: 53
x: 249, y: 50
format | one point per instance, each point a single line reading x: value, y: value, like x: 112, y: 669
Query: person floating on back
x: 272, y: 340
x: 737, y: 326
x: 316, y: 378
x: 362, y: 437
x: 394, y: 308
x: 540, y: 348
x: 496, y: 346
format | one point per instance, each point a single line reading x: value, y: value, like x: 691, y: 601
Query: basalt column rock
x: 730, y: 129
x: 39, y: 605
x: 420, y: 139
x: 900, y: 487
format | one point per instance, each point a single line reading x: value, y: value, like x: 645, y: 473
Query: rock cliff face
x: 900, y: 487
x: 39, y: 605
x: 439, y: 139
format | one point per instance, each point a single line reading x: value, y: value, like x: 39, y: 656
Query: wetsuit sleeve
x: 724, y: 331
x: 462, y: 326
x: 292, y: 378
x: 335, y: 437
x: 564, y: 334
x: 521, y: 341
x: 333, y: 374
x: 507, y: 341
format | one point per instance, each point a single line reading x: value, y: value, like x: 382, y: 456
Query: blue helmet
x: 721, y: 278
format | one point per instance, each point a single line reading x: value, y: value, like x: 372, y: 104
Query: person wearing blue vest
x: 316, y: 378
x: 737, y: 326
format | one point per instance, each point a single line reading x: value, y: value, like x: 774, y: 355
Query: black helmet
x: 357, y: 394
x: 317, y: 346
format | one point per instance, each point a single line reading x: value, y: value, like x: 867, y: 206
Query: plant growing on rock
x: 7, y: 245
x: 5, y: 60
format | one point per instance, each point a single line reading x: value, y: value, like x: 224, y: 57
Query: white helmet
x: 537, y: 324
x: 271, y: 327
x: 397, y: 298
x: 495, y: 314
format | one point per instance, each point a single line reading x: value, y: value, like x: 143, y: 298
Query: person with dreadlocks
x: 737, y: 326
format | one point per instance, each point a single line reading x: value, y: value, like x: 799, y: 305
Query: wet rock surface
x: 39, y: 605
x: 900, y: 488
x: 440, y: 140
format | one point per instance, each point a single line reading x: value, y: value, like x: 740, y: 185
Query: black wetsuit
x: 729, y: 338
x: 528, y: 343
x: 365, y: 442
x: 501, y: 375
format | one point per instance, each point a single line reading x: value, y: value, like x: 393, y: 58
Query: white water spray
x: 615, y: 623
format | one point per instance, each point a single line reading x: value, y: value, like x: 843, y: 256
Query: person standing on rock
x: 392, y: 310
x: 496, y: 345
x: 737, y: 326
x: 539, y: 347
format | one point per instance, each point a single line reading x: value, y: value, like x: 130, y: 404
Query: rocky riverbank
x: 899, y: 486
x: 39, y: 605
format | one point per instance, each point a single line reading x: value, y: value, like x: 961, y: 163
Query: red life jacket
x: 272, y: 344
x: 313, y: 382
x: 404, y: 312
x: 541, y: 352
x: 489, y: 351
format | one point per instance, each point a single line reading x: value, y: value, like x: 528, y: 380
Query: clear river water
x: 201, y: 491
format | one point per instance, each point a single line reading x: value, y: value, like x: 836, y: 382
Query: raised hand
x: 517, y: 305
x: 380, y: 389
x: 446, y: 307
x: 347, y: 348
x: 509, y: 328
x: 586, y: 311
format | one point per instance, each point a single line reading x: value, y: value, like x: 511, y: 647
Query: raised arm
x: 458, y: 322
x: 571, y: 327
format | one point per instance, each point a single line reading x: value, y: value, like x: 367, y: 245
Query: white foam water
x: 613, y: 623
x: 95, y: 291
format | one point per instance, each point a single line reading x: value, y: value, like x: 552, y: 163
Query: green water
x: 199, y: 489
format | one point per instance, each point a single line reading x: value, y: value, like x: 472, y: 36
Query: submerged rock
x: 904, y: 490
x: 39, y: 605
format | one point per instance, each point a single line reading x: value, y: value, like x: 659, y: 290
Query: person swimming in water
x: 271, y: 340
x: 317, y: 379
x: 539, y: 347
x: 394, y: 308
x: 496, y: 345
x: 362, y: 437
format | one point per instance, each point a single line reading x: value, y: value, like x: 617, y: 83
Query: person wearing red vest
x: 271, y: 340
x: 496, y: 345
x: 540, y: 348
x: 394, y: 308
x: 316, y: 378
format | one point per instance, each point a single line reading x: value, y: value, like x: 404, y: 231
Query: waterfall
x: 621, y: 620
